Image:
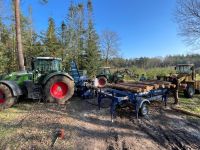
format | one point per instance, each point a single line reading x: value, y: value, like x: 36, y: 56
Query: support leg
x: 164, y: 98
x: 113, y: 109
x: 99, y: 101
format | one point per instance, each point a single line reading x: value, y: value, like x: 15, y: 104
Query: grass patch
x: 191, y: 105
x: 6, y: 131
x: 10, y: 117
x: 11, y: 114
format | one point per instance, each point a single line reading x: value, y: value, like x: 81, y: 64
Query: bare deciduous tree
x: 109, y: 45
x: 187, y: 15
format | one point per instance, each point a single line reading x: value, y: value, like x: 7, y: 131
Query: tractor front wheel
x: 6, y: 98
x: 189, y: 91
x: 59, y: 89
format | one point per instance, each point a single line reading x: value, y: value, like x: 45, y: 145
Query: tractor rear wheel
x: 189, y: 91
x: 59, y: 89
x: 6, y: 98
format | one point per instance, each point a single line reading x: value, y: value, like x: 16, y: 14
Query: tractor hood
x: 19, y: 77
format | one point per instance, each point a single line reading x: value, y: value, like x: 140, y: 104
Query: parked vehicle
x: 46, y: 80
x: 187, y: 82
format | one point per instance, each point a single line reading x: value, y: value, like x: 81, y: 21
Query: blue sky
x: 145, y: 27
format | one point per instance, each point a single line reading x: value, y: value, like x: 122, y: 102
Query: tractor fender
x: 16, y: 90
x: 55, y: 74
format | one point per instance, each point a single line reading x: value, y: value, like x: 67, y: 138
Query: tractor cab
x: 46, y: 64
x: 42, y: 66
x: 104, y: 71
x: 186, y: 70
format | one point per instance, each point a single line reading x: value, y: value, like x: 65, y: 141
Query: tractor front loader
x: 186, y: 79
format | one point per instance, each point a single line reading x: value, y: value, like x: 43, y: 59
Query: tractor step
x: 37, y: 92
x: 34, y: 90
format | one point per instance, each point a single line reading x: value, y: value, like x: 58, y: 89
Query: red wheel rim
x: 59, y: 90
x: 102, y: 82
x: 2, y: 97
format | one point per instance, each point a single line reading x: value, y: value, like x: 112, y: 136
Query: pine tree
x: 50, y: 40
x: 5, y: 49
x: 80, y: 36
x: 74, y: 34
x: 92, y: 47
x: 70, y: 52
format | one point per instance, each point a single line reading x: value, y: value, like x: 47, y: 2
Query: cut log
x: 146, y: 87
x: 156, y: 86
x: 128, y: 88
x: 141, y: 86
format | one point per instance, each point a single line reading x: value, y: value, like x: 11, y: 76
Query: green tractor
x: 105, y: 75
x: 45, y: 80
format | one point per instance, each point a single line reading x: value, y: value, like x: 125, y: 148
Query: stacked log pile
x: 141, y: 86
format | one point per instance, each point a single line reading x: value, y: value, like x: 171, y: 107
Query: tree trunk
x: 20, y: 55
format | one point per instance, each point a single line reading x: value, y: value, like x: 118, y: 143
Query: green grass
x: 191, y: 105
x: 9, y: 118
x: 6, y: 131
x: 12, y: 114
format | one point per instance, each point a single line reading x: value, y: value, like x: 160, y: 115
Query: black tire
x: 144, y: 110
x: 7, y: 99
x: 189, y: 92
x: 102, y: 81
x: 51, y: 97
x: 197, y: 91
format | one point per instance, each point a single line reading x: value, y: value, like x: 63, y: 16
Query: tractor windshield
x: 47, y: 65
x: 184, y: 69
x: 104, y: 71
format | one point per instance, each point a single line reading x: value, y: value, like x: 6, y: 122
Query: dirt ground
x: 86, y: 128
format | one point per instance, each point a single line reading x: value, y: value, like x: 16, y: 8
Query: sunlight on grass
x: 5, y: 131
x: 9, y: 117
x: 13, y: 113
x: 191, y: 105
x: 197, y: 77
